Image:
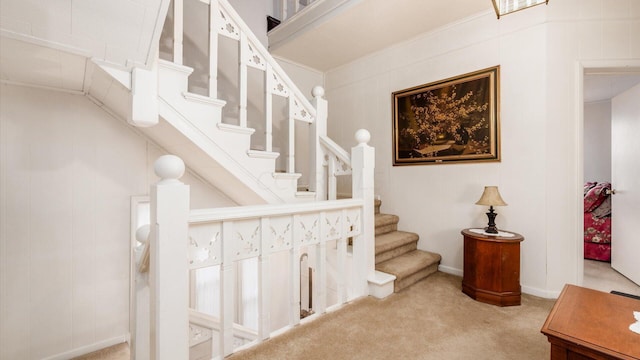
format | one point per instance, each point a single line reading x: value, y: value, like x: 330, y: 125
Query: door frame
x: 611, y: 67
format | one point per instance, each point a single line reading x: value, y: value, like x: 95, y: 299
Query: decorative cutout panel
x: 280, y: 234
x: 237, y: 342
x: 228, y: 27
x: 198, y: 334
x: 300, y: 113
x: 246, y: 239
x: 254, y: 59
x: 309, y: 226
x: 353, y: 222
x: 332, y: 225
x: 277, y: 86
x: 341, y: 167
x: 205, y: 246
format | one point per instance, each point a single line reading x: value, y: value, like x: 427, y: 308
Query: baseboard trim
x: 450, y: 270
x: 89, y: 348
x: 547, y: 294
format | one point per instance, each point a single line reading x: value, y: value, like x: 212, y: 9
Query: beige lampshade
x: 491, y: 197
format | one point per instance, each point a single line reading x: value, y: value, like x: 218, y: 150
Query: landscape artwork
x: 449, y: 121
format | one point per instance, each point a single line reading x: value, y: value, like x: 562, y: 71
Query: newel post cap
x: 169, y: 169
x: 142, y: 234
x: 317, y: 91
x: 363, y: 136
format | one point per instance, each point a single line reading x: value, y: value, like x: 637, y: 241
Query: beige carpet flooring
x: 432, y: 319
x: 116, y: 352
x: 601, y: 276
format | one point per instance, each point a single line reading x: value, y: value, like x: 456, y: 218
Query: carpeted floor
x: 431, y: 320
x: 116, y: 352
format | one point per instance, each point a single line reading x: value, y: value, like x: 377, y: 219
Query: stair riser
x: 403, y: 283
x: 172, y: 77
x: 386, y: 229
x: 204, y: 115
x: 390, y: 254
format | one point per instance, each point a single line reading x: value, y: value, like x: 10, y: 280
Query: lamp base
x: 491, y: 230
x: 491, y: 226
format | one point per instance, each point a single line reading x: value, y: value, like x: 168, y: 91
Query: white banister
x: 264, y: 283
x: 222, y: 239
x: 184, y: 240
x: 363, y: 164
x: 284, y: 9
x: 338, y: 164
x: 243, y: 79
x: 168, y: 273
x: 320, y: 286
x: 224, y: 21
x: 317, y: 131
x: 291, y: 138
x: 268, y: 109
x: 227, y: 293
x: 178, y: 30
x: 342, y: 264
x: 294, y: 278
x: 287, y: 12
x: 214, y: 20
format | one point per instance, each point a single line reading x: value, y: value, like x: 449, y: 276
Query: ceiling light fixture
x: 504, y: 7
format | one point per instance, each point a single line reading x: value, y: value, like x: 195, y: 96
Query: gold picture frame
x: 448, y: 121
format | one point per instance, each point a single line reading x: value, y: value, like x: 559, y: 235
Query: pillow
x: 596, y: 196
x: 588, y: 186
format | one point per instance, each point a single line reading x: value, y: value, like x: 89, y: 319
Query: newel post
x: 168, y: 267
x: 363, y: 165
x: 317, y: 177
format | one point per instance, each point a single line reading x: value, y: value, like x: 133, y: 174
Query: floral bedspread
x: 597, y: 221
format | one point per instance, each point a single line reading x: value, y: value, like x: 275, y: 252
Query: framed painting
x: 449, y: 121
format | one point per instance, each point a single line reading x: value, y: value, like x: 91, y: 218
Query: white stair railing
x: 289, y: 8
x: 338, y: 164
x: 224, y: 21
x: 183, y: 240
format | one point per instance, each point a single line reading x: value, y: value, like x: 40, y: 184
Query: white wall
x: 305, y: 79
x: 597, y: 141
x: 539, y: 175
x: 67, y: 174
x: 254, y: 14
x: 117, y: 31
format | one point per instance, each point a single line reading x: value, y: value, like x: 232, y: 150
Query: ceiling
x: 365, y: 26
x: 603, y: 86
x: 38, y: 65
x: 357, y: 28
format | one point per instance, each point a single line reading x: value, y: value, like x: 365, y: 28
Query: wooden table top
x: 596, y: 320
x: 494, y: 238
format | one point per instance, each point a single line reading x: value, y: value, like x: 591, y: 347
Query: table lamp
x: 491, y: 197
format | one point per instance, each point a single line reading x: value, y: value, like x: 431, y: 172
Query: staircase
x: 397, y: 252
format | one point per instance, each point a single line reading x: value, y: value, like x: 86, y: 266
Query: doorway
x: 600, y: 84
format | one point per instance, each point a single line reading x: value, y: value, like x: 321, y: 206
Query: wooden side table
x: 590, y: 324
x: 492, y: 268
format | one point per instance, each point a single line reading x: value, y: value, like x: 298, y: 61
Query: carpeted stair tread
x: 397, y: 253
x: 386, y: 223
x: 409, y: 263
x: 394, y: 239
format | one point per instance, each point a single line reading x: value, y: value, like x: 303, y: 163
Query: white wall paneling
x: 539, y: 175
x: 67, y: 174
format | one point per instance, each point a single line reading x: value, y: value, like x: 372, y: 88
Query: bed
x: 597, y: 221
